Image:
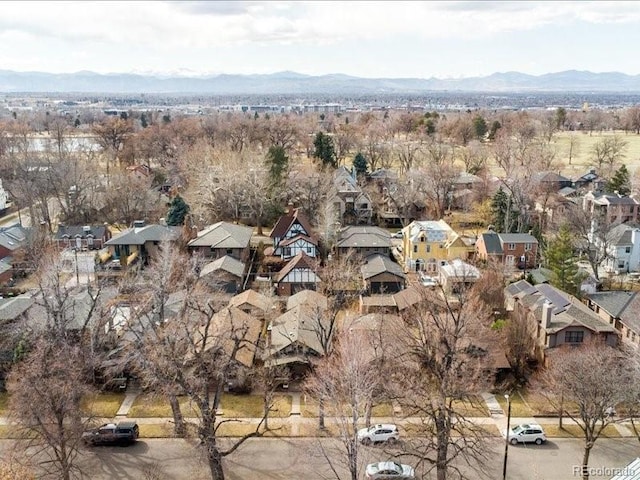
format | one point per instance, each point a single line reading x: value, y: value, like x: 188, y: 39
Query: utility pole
x: 506, y: 444
x: 75, y: 251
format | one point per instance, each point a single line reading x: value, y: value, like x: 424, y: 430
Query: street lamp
x: 506, y: 443
x: 523, y: 259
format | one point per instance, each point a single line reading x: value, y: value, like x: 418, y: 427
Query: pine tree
x: 620, y: 182
x: 561, y: 261
x: 278, y: 163
x: 503, y: 215
x: 178, y: 210
x: 360, y: 164
x: 324, y: 150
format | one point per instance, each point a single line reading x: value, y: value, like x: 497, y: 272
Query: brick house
x: 512, y: 249
x: 82, y: 237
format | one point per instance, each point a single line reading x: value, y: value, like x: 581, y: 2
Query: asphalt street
x: 304, y: 458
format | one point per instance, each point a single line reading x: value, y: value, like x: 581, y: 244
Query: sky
x: 425, y: 39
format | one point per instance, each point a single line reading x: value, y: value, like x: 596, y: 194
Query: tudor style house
x: 291, y: 235
x: 511, y: 249
x: 87, y: 237
x: 428, y: 244
x: 221, y: 239
x: 556, y: 318
x: 299, y: 274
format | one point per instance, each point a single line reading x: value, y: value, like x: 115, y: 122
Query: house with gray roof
x: 511, y: 249
x: 381, y: 275
x: 364, y: 241
x: 224, y: 274
x: 223, y: 238
x: 136, y: 245
x: 615, y: 207
x: 623, y: 249
x: 556, y: 318
x: 13, y: 239
x: 82, y: 237
x: 621, y: 309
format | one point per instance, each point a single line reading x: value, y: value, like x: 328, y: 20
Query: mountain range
x: 297, y: 83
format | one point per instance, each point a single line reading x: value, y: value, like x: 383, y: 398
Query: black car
x: 124, y: 433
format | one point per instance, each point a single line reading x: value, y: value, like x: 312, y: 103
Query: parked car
x: 386, y: 470
x: 427, y: 281
x: 379, y: 433
x: 124, y: 433
x: 398, y: 234
x: 526, y: 433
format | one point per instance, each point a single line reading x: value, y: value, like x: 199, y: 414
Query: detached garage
x: 382, y: 275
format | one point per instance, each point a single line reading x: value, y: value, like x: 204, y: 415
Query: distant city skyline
x: 367, y: 39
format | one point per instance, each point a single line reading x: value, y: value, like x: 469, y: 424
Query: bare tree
x: 266, y: 380
x: 46, y: 390
x: 582, y: 377
x: 445, y: 365
x: 349, y: 378
x: 519, y: 335
x: 609, y: 151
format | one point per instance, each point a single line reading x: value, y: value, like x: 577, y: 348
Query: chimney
x: 138, y: 223
x: 86, y: 229
x: 547, y: 311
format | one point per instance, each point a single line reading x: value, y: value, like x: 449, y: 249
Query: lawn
x: 103, y: 404
x: 574, y: 431
x: 231, y: 406
x: 528, y: 404
x: 309, y: 409
x: 4, y: 403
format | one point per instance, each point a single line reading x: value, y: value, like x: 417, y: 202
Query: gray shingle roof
x: 614, y: 302
x: 517, y: 238
x: 359, y: 237
x: 226, y: 263
x: 492, y: 243
x: 71, y: 231
x: 377, y: 264
x: 223, y: 235
x: 142, y: 235
x: 14, y: 237
x: 621, y: 234
x: 11, y: 308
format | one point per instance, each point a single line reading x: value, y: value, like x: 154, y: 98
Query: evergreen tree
x: 360, y: 164
x: 278, y: 163
x: 480, y: 126
x: 503, y: 216
x: 495, y: 126
x: 620, y: 182
x: 178, y: 210
x: 324, y: 150
x: 561, y: 260
x: 143, y: 121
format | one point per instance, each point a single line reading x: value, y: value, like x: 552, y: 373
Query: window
x: 286, y: 251
x: 573, y: 337
x: 229, y: 251
x: 428, y: 248
x: 527, y: 247
x: 512, y: 246
x: 442, y: 245
x: 415, y: 249
x: 627, y: 250
x: 422, y: 239
x: 309, y: 249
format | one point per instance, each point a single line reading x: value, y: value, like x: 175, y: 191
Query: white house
x: 623, y: 249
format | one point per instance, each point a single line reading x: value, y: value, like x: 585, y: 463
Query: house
x: 464, y: 191
x: 615, y: 207
x: 139, y: 172
x: 555, y: 317
x: 253, y: 303
x: 293, y: 234
x: 82, y: 237
x: 557, y: 206
x: 296, y: 337
x: 231, y: 326
x: 364, y: 241
x: 551, y: 181
x: 623, y: 249
x: 381, y: 275
x: 222, y: 239
x: 225, y: 274
x: 308, y: 297
x: 351, y: 203
x: 13, y: 239
x: 457, y: 276
x: 621, y: 309
x: 590, y: 181
x: 427, y: 244
x: 299, y: 274
x: 135, y: 245
x: 512, y: 249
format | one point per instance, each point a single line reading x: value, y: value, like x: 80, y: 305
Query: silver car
x: 379, y: 433
x: 526, y: 433
x: 387, y: 470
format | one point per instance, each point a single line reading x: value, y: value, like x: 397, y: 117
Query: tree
x: 178, y: 210
x: 503, y: 215
x: 277, y: 162
x: 519, y: 335
x: 609, y: 151
x: 324, y: 150
x: 620, y: 182
x: 111, y: 135
x: 46, y: 390
x: 349, y: 378
x: 591, y: 379
x: 591, y: 231
x: 197, y: 350
x: 360, y: 164
x: 561, y: 261
x: 443, y: 365
x: 560, y: 117
x: 480, y: 126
